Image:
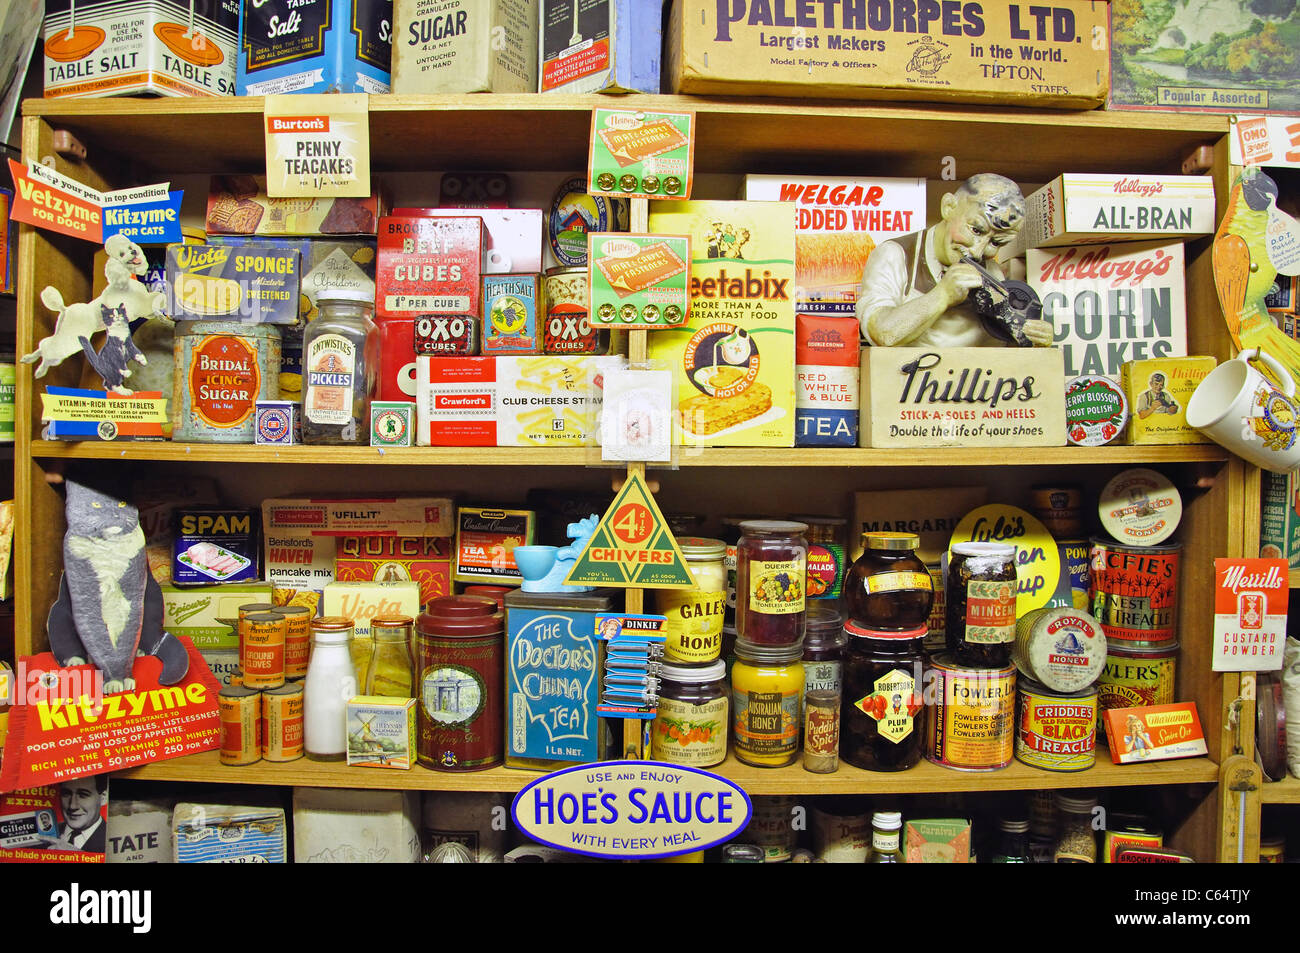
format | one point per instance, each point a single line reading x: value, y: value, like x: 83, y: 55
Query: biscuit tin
x: 223, y: 369
x: 325, y: 46
x: 381, y: 732
x: 734, y: 360
x: 166, y: 47
x: 239, y: 205
x: 392, y: 423
x: 465, y: 46
x: 1158, y: 391
x: 278, y: 423
x: 428, y: 266
x: 600, y: 46
x: 512, y: 305
x: 252, y: 284
x: 425, y: 560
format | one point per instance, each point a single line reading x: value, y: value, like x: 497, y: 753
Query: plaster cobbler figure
x: 943, y: 287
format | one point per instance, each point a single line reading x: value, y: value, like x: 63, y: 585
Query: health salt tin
x: 971, y: 725
x: 1056, y: 731
x: 1134, y: 592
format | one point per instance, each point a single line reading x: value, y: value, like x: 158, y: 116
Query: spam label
x: 253, y: 284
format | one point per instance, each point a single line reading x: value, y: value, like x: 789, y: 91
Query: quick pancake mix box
x: 599, y: 46
x: 1082, y: 207
x: 317, y: 46
x: 425, y: 560
x: 1007, y: 53
x: 116, y: 48
x: 465, y: 46
x: 734, y: 360
x: 838, y: 223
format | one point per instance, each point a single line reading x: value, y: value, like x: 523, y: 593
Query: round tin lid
x: 701, y: 548
x: 712, y: 672
x: 1140, y: 507
x: 461, y: 616
x: 773, y: 526
x: 1096, y: 410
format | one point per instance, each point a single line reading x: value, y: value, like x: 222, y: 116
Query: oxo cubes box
x: 428, y: 266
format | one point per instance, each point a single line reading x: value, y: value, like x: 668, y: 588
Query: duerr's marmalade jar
x: 771, y: 566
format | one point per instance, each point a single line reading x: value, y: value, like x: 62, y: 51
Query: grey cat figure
x: 112, y: 362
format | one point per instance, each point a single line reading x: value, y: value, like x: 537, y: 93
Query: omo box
x: 321, y: 46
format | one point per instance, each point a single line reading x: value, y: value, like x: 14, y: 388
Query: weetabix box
x: 1158, y: 391
x: 599, y: 46
x: 734, y: 359
x: 1085, y: 208
x: 118, y: 48
x: 429, y: 266
x: 1112, y: 303
x: 1279, y: 517
x: 963, y: 397
x: 838, y: 224
x: 321, y: 46
x: 994, y: 52
x: 465, y: 46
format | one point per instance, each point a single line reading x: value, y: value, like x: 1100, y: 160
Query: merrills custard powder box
x: 734, y: 360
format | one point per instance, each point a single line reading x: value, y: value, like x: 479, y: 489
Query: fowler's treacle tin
x: 971, y: 724
x: 282, y: 723
x: 1135, y: 677
x: 240, y: 713
x: 1056, y: 731
x: 1134, y: 591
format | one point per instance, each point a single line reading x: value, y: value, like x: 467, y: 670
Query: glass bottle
x: 330, y: 683
x: 340, y: 358
x: 884, y: 838
x: 882, y: 720
x: 981, y: 604
x: 1076, y: 843
x: 889, y: 587
x: 390, y: 672
x: 1013, y: 846
x: 693, y: 633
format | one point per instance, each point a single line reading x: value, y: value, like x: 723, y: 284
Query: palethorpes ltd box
x: 115, y: 48
x: 319, y: 46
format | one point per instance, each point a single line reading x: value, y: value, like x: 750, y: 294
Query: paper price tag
x: 317, y: 146
x: 637, y: 154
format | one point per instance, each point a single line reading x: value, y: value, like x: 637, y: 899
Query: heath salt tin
x: 222, y: 370
x: 511, y: 305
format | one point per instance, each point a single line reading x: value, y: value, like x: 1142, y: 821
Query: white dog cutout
x: 125, y: 261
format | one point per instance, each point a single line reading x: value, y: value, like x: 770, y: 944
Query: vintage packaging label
x: 317, y: 145
x: 392, y: 423
x: 931, y: 513
x: 1087, y: 208
x: 776, y: 587
x: 1140, y: 507
x: 893, y: 704
x: 551, y: 685
x: 205, y: 614
x: 896, y: 581
x: 445, y: 334
x: 239, y: 205
x: 277, y: 423
x: 282, y: 727
x: 321, y: 46
x: 1157, y: 733
x: 766, y: 723
x: 1131, y: 682
x: 693, y: 632
x: 568, y: 329
x: 1057, y: 733
x: 381, y: 732
x: 514, y: 235
x: 822, y: 675
x: 821, y: 731
x: 937, y: 841
x: 973, y: 725
x: 998, y: 53
x: 224, y: 380
x: 1134, y: 593
x: 734, y: 360
x: 637, y: 280
x: 215, y: 545
x: 1250, y: 610
x: 693, y: 735
x: 1279, y: 519
x: 1096, y: 411
x: 465, y: 46
x: 428, y: 266
x: 990, y: 612
x: 331, y: 367
x: 485, y: 541
x: 1112, y: 303
x: 641, y: 154
x: 825, y: 570
x: 511, y: 312
x: 1158, y: 392
x: 253, y: 284
x: 425, y: 560
x: 362, y: 601
x: 826, y: 372
x: 599, y: 46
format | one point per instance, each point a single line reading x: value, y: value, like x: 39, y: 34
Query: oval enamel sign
x: 631, y: 809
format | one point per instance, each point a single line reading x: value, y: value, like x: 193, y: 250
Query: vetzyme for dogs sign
x: 147, y: 214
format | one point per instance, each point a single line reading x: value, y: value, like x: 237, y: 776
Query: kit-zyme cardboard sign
x: 963, y: 396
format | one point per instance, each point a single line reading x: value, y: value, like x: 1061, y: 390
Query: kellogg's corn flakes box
x: 734, y: 359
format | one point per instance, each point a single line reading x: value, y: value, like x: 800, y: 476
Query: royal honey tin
x: 297, y: 639
x: 1056, y: 731
x: 971, y: 724
x: 567, y: 328
x: 282, y: 723
x: 1063, y: 649
x: 262, y: 659
x: 1133, y: 592
x: 240, y: 712
x: 1136, y: 677
x: 223, y: 368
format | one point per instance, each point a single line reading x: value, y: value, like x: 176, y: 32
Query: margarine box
x: 299, y: 534
x: 381, y: 732
x: 340, y: 825
x: 734, y: 359
x: 228, y: 833
x: 425, y: 560
x: 239, y: 205
x: 1007, y: 53
x: 253, y: 284
x: 325, y: 46
x: 545, y: 401
x: 931, y: 513
x: 465, y: 46
x: 139, y: 832
x: 326, y: 263
x: 362, y: 601
x: 1158, y: 391
x: 962, y: 397
x: 1279, y: 518
x: 1085, y: 207
x: 165, y: 47
x: 838, y: 223
x: 197, y: 612
x: 599, y: 46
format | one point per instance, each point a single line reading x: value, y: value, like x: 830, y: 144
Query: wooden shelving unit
x: 134, y: 141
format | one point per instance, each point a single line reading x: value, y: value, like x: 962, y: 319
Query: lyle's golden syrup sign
x: 631, y: 809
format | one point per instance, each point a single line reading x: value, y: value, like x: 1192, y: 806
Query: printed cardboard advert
x: 146, y: 214
x: 1250, y: 606
x: 1112, y: 303
x: 609, y: 46
x: 637, y: 154
x: 72, y: 729
x: 1155, y: 733
x: 1109, y: 208
x: 317, y: 146
x: 634, y: 646
x: 70, y: 413
x: 638, y: 280
x: 632, y: 546
x: 1265, y: 140
x: 1279, y: 518
x: 66, y: 823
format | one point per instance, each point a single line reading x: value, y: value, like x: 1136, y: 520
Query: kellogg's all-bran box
x: 120, y: 48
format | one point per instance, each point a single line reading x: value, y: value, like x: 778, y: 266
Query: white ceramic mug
x: 1241, y: 410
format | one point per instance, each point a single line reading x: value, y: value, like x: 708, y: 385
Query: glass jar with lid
x: 771, y: 569
x: 340, y: 363
x: 767, y: 698
x: 690, y: 726
x: 693, y: 633
x: 980, y: 627
x: 882, y: 720
x: 1076, y: 842
x: 885, y: 847
x: 823, y: 647
x: 826, y: 536
x: 331, y: 681
x: 888, y: 587
x: 390, y: 672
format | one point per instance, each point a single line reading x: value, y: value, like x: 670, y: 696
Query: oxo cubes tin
x: 428, y: 266
x: 510, y: 305
x: 451, y: 335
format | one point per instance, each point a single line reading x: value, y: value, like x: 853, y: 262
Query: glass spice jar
x: 980, y: 624
x: 771, y: 566
x: 390, y: 672
x: 731, y: 534
x: 823, y: 648
x: 340, y: 357
x: 1076, y: 843
x: 767, y: 695
x: 889, y: 586
x: 881, y: 715
x: 885, y: 847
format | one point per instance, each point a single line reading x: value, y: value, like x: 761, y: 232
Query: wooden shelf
x: 1293, y: 579
x: 736, y: 135
x: 924, y: 778
x: 590, y: 456
x: 1286, y: 791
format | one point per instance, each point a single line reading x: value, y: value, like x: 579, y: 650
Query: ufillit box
x: 1086, y: 207
x: 323, y: 46
x: 110, y: 48
x: 599, y: 46
x: 465, y: 46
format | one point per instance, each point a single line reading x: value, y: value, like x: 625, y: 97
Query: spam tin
x: 255, y: 284
x: 216, y: 545
x: 574, y: 213
x: 428, y: 266
x: 1056, y: 731
x: 325, y: 46
x: 510, y: 314
x: 1096, y: 411
x: 1140, y: 507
